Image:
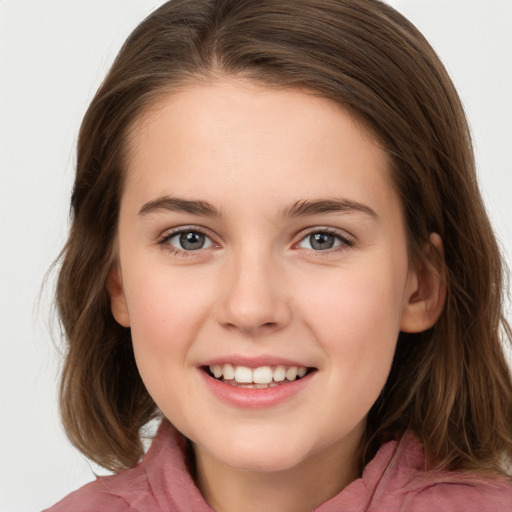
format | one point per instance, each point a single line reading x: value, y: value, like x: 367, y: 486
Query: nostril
x: 251, y: 328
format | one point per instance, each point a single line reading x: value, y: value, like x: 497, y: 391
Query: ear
x: 117, y: 299
x: 426, y: 292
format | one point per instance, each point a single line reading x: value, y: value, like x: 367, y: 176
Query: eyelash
x: 183, y: 253
x: 345, y: 240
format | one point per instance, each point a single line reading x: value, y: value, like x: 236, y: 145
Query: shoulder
x: 113, y: 493
x: 90, y: 497
x: 461, y: 495
x: 161, y: 482
x: 407, y: 485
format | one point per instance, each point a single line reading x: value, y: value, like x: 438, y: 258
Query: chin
x: 261, y: 457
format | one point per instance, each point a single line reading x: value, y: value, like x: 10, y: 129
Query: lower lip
x: 252, y: 398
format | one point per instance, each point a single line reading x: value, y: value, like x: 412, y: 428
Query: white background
x: 54, y: 54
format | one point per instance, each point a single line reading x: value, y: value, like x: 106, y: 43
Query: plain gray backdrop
x: 54, y: 54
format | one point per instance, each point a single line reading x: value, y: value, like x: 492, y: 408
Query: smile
x: 262, y: 377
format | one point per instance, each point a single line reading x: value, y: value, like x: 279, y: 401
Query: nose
x: 254, y: 295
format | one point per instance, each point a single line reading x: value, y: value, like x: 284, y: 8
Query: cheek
x: 164, y: 324
x: 357, y: 316
x: 165, y: 314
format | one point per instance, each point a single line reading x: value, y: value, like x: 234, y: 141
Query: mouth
x: 262, y: 377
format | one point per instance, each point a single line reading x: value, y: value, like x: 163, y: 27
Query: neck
x: 301, y: 488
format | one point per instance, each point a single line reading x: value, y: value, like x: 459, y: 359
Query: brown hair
x: 451, y: 384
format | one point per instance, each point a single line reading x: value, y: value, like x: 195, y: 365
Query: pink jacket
x: 393, y: 481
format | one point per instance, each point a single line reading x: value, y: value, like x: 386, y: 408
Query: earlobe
x: 427, y: 289
x: 117, y: 298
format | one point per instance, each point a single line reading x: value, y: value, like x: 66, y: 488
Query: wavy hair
x: 451, y: 384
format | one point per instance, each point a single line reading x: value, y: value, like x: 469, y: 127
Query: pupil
x: 322, y: 241
x: 192, y: 241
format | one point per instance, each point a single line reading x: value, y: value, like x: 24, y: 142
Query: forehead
x: 275, y: 142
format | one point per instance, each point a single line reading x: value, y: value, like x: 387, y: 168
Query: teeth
x: 228, y: 372
x: 291, y: 373
x: 279, y: 373
x: 261, y: 377
x: 243, y: 375
x: 216, y: 370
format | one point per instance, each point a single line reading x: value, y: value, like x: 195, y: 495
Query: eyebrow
x: 300, y: 208
x: 316, y: 207
x: 176, y: 204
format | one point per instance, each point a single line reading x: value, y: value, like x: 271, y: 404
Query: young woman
x: 279, y: 248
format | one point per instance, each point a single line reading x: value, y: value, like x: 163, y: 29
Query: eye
x: 188, y: 240
x: 324, y: 240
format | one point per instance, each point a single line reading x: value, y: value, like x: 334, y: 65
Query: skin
x: 258, y: 288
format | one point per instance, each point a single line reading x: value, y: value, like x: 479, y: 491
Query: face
x: 263, y: 271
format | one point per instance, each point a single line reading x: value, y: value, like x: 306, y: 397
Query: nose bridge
x: 255, y: 295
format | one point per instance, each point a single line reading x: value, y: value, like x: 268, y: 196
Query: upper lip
x: 254, y: 362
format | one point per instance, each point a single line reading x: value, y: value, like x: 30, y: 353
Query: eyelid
x: 170, y: 233
x: 347, y: 239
